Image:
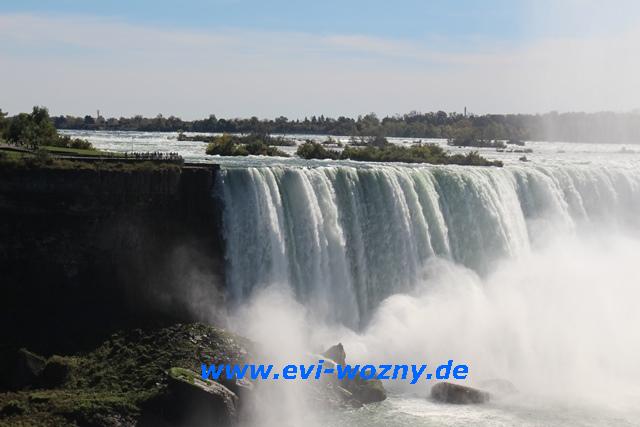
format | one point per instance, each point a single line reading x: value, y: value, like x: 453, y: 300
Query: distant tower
x: 465, y: 111
x: 98, y: 114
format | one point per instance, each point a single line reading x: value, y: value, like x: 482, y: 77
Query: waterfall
x: 346, y: 237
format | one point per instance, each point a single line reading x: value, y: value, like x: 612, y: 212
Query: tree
x: 32, y: 130
x: 314, y: 150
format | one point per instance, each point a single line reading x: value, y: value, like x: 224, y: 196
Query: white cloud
x: 76, y: 64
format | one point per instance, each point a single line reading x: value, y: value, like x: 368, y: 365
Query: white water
x: 528, y: 272
x: 345, y: 238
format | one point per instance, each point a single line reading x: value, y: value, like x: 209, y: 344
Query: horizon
x: 326, y: 116
x: 235, y: 58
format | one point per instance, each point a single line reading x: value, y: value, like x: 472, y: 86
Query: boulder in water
x: 365, y: 391
x: 458, y: 394
x: 337, y: 354
x: 361, y: 390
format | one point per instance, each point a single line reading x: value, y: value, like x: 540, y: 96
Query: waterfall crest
x: 346, y: 237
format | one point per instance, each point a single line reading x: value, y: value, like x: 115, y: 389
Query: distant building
x: 99, y: 118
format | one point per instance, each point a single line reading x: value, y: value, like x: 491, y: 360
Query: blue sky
x: 400, y: 19
x: 240, y: 58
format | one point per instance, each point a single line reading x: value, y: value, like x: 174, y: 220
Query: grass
x: 182, y: 373
x: 63, y: 151
x: 58, y: 151
x: 29, y: 162
x: 49, y: 157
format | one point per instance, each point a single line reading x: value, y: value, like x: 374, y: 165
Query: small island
x: 387, y: 152
x: 262, y: 137
x: 371, y: 149
x: 235, y: 145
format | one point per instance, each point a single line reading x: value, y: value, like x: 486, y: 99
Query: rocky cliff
x: 84, y: 253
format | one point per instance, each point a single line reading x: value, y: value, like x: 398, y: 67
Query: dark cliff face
x: 84, y: 253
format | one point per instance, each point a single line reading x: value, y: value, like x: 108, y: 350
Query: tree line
x: 570, y: 127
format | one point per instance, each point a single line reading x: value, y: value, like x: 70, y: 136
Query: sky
x: 240, y: 58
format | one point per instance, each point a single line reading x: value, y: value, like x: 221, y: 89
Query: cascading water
x: 346, y: 237
x: 528, y: 273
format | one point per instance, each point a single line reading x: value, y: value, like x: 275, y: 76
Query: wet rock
x: 347, y: 397
x: 239, y: 387
x: 458, y: 394
x: 190, y: 401
x: 337, y: 354
x: 365, y: 391
x: 362, y: 390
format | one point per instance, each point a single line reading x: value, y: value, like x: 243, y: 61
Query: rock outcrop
x: 337, y: 354
x: 360, y: 390
x: 365, y: 391
x: 458, y: 394
x: 142, y: 377
x: 78, y: 245
x: 199, y: 403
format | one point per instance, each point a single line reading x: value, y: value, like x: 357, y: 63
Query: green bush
x: 421, y: 153
x: 427, y: 153
x: 66, y: 141
x: 314, y: 150
x: 472, y: 159
x: 234, y: 145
